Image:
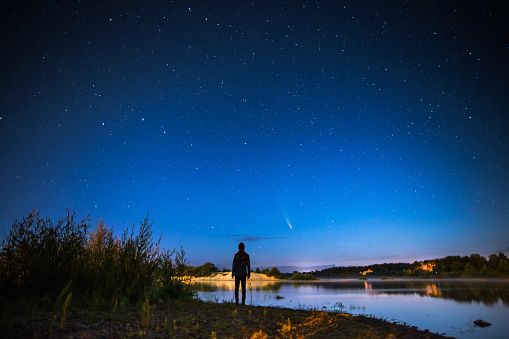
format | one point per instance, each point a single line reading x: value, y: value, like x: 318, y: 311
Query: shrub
x: 39, y: 258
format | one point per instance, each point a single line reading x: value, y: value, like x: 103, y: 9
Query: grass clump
x: 147, y: 313
x: 64, y: 309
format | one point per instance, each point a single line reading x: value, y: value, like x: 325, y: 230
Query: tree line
x: 475, y: 265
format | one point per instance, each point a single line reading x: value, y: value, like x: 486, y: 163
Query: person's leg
x: 237, y: 283
x: 243, y: 280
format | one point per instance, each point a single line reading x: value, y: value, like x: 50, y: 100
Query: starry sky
x: 317, y: 132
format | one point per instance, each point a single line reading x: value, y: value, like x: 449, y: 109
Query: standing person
x: 241, y: 268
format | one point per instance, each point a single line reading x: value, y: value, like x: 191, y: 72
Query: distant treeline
x: 354, y: 271
x: 302, y: 276
x: 475, y: 265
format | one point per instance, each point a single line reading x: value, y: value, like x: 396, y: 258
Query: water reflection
x: 255, y: 285
x: 488, y: 292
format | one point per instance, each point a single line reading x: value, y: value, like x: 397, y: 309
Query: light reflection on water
x: 443, y: 306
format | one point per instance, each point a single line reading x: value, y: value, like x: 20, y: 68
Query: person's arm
x: 248, y: 268
x: 233, y: 268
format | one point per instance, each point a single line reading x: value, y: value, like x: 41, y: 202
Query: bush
x: 168, y: 279
x: 39, y: 258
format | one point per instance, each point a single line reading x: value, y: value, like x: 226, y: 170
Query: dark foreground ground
x: 189, y: 318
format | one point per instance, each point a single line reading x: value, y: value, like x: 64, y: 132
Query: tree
x: 493, y: 261
x: 477, y: 261
x: 457, y: 266
x: 470, y: 269
x: 207, y: 269
x: 273, y: 272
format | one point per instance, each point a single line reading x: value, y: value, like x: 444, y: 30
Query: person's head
x: 241, y: 246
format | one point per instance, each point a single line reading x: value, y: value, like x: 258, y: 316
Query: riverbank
x: 184, y: 318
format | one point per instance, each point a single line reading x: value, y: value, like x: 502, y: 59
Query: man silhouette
x: 241, y: 268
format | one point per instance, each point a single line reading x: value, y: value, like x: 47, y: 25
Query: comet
x: 288, y: 223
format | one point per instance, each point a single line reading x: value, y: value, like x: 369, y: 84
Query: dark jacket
x: 241, y: 265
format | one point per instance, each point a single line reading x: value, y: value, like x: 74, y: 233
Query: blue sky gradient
x: 318, y: 132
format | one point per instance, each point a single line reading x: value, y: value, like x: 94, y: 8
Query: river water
x: 443, y: 306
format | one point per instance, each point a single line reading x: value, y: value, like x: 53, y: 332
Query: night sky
x: 317, y: 132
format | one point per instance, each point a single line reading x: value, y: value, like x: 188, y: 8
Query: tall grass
x: 40, y: 258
